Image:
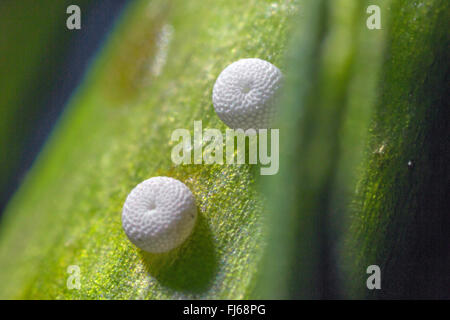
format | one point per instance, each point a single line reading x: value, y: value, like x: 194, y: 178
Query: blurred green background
x: 363, y: 150
x: 41, y: 63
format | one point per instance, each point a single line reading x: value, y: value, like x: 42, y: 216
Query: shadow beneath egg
x: 190, y: 267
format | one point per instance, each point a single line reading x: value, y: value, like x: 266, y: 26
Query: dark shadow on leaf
x: 190, y: 267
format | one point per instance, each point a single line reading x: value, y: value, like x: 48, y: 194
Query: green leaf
x: 378, y: 96
x: 400, y: 212
x: 329, y: 99
x: 154, y: 75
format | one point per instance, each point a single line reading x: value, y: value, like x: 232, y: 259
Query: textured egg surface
x: 244, y: 95
x: 159, y: 214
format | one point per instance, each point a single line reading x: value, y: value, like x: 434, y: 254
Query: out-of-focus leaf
x: 401, y: 212
x: 328, y: 102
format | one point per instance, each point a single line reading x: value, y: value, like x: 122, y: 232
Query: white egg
x: 244, y: 95
x: 159, y: 214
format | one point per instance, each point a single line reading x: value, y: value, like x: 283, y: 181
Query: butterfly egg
x: 159, y: 214
x: 244, y: 95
